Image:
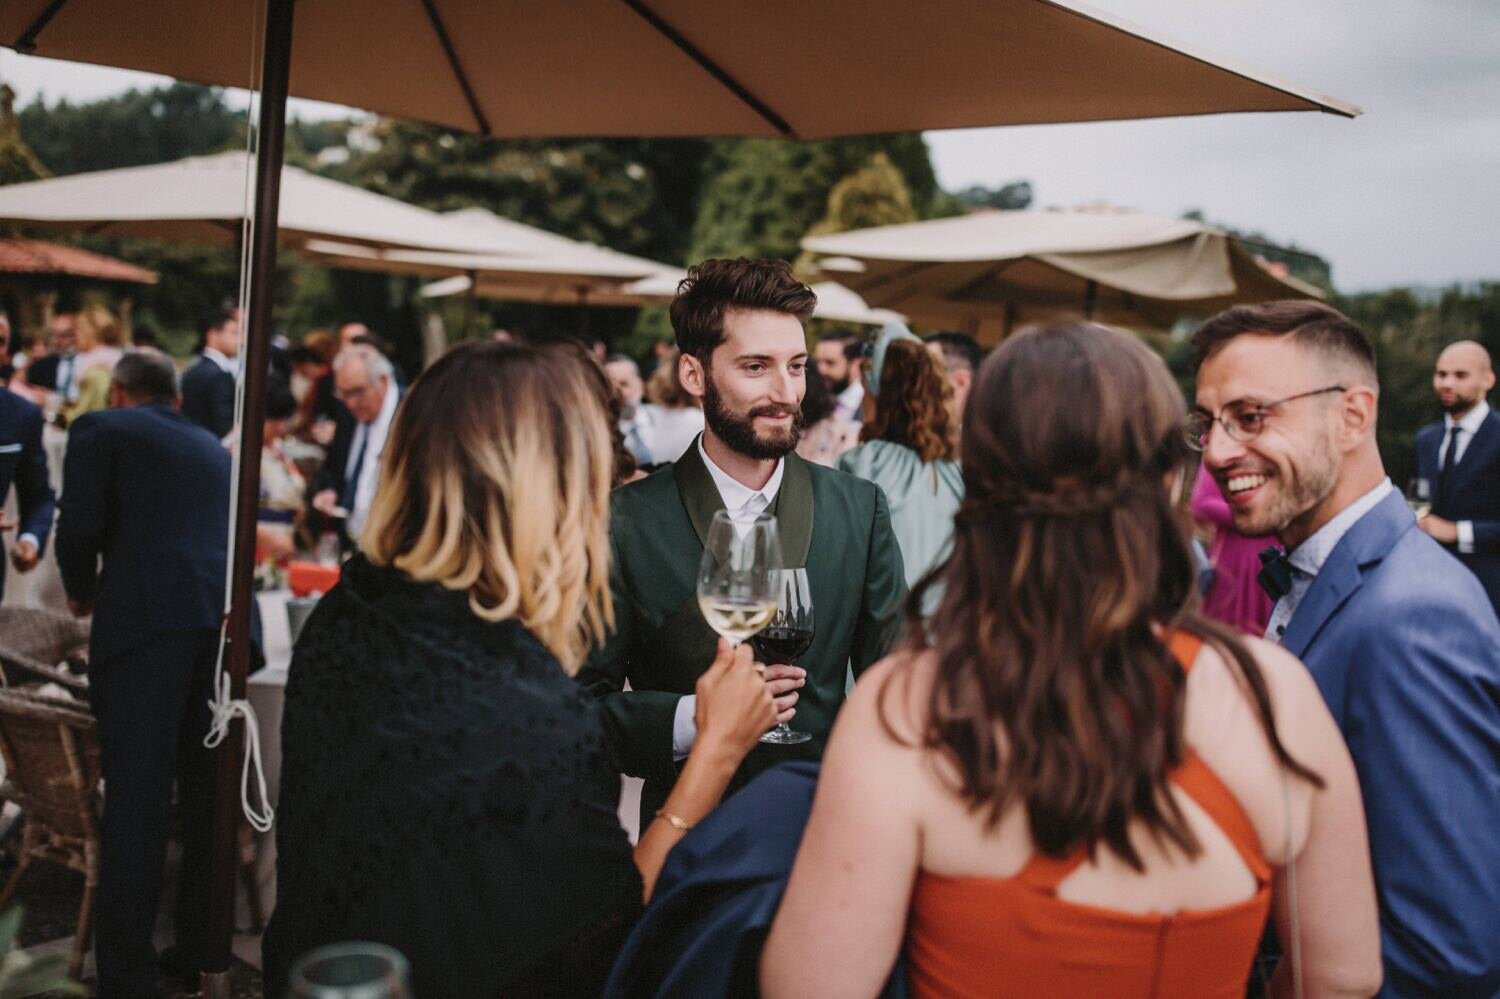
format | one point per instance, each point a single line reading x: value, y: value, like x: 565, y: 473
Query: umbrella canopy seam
x: 441, y: 31
x: 713, y: 69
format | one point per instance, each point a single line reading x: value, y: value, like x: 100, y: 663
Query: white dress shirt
x: 743, y: 505
x: 1467, y: 428
x: 372, y: 437
x: 1307, y: 558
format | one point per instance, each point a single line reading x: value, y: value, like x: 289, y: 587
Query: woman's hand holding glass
x: 735, y: 705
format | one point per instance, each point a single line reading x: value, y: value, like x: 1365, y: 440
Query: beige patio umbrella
x: 989, y: 271
x: 204, y: 199
x: 679, y: 67
x: 617, y: 67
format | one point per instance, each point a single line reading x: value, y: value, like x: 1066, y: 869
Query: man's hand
x: 326, y: 502
x: 81, y: 608
x: 1444, y: 531
x: 6, y: 525
x: 784, y: 682
x: 24, y: 555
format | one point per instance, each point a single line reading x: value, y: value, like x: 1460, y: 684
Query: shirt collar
x: 224, y: 363
x: 734, y: 493
x: 1310, y: 555
x: 1472, y: 419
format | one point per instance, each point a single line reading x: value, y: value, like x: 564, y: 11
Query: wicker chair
x: 51, y: 750
x: 34, y: 642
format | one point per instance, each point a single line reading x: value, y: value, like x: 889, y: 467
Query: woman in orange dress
x: 1066, y: 783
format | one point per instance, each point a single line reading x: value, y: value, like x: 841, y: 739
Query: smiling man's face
x: 752, y: 392
x: 1277, y: 482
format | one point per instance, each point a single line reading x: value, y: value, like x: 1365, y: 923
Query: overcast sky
x: 1409, y: 193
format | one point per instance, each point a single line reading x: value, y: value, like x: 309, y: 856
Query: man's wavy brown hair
x: 913, y: 407
x: 1055, y: 688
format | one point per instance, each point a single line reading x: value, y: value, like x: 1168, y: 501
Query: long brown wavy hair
x: 913, y: 407
x: 1053, y: 687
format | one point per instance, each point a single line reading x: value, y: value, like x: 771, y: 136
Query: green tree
x: 761, y: 196
x: 873, y: 195
x: 17, y: 162
x: 1012, y: 196
x: 134, y: 128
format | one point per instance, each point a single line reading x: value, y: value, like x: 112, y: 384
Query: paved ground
x: 50, y: 896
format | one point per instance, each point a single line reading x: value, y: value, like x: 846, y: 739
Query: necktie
x: 1450, y: 458
x: 1275, y: 576
x: 351, y: 474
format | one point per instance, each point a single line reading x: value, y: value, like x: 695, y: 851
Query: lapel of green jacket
x: 793, y: 506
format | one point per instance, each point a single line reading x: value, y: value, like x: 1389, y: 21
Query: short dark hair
x: 716, y: 286
x: 959, y: 349
x: 1316, y: 326
x: 280, y: 403
x: 146, y: 374
x: 214, y: 319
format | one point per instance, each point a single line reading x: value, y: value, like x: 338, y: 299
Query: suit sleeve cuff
x: 684, y: 727
x: 1466, y: 537
x: 32, y: 538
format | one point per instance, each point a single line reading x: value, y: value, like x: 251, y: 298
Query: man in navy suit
x: 208, y: 383
x: 147, y: 491
x: 1458, y: 460
x: 23, y: 463
x: 1405, y: 651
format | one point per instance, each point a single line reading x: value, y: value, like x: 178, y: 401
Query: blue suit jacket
x: 717, y: 894
x: 149, y: 491
x: 1472, y: 494
x: 208, y: 396
x: 1407, y: 654
x: 23, y: 463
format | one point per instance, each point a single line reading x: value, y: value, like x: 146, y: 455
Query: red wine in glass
x: 778, y: 644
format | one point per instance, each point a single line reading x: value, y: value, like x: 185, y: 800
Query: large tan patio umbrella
x: 203, y: 199
x: 679, y: 67
x: 617, y: 67
x: 988, y: 271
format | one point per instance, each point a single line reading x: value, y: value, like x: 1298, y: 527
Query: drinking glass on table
x: 788, y: 636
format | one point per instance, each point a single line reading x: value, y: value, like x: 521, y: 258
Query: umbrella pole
x: 1090, y: 296
x: 469, y: 304
x: 276, y: 68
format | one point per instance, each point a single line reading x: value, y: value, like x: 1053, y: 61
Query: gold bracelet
x: 675, y: 821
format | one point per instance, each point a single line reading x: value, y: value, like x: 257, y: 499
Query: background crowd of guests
x: 1071, y: 763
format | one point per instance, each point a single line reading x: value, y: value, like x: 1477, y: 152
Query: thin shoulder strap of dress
x: 1196, y: 779
x: 1199, y: 782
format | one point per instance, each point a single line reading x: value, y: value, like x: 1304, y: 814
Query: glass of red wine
x: 788, y: 636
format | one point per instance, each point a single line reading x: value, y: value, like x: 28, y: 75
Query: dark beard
x: 738, y: 433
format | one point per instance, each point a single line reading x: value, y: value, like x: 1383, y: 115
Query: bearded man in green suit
x: 743, y: 353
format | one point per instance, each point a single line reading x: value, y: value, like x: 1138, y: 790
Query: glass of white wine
x: 739, y: 575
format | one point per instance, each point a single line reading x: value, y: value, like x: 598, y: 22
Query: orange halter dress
x: 979, y: 936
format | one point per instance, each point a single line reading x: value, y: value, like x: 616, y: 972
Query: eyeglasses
x: 1242, y: 421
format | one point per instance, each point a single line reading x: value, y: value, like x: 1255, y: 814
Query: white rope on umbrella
x: 223, y: 707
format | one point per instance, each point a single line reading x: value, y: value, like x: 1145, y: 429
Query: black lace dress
x: 448, y: 790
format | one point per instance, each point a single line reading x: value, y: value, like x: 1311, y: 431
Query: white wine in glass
x: 736, y: 620
x: 738, y: 575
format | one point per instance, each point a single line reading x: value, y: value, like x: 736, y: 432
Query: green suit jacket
x: 837, y: 525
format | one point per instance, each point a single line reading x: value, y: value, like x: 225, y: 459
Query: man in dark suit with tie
x: 23, y: 463
x: 56, y: 372
x: 208, y: 383
x: 344, y: 487
x: 147, y: 491
x: 1405, y: 651
x: 1458, y: 461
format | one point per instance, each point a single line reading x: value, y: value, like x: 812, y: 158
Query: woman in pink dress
x: 1235, y: 597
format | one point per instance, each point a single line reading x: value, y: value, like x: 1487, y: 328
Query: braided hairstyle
x: 1053, y: 689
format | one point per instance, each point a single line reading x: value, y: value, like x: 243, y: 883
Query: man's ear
x: 690, y: 372
x: 1357, y: 416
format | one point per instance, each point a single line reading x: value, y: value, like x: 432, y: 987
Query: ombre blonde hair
x: 496, y: 482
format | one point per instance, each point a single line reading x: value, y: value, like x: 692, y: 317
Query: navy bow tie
x: 1275, y: 576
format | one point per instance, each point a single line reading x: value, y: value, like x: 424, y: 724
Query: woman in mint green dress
x: 909, y: 446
